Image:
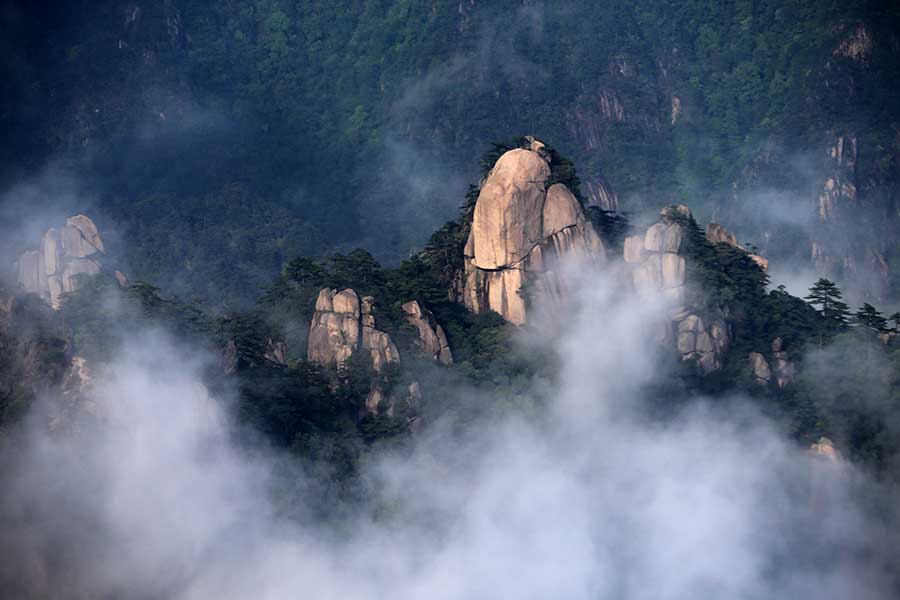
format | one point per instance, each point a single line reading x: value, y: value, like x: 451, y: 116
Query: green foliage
x: 834, y: 313
x: 869, y: 316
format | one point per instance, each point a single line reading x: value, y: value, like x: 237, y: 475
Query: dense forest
x: 264, y: 130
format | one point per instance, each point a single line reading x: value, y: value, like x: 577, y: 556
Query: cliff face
x: 519, y: 228
x: 63, y: 257
x: 342, y: 325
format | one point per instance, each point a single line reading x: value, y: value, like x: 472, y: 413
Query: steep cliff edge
x: 520, y: 227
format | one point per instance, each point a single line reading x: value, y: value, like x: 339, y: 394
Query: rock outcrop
x: 431, y: 338
x: 760, y: 367
x: 64, y: 256
x: 825, y: 449
x: 718, y: 234
x: 519, y: 229
x: 659, y: 269
x: 335, y: 330
x: 343, y: 325
x: 782, y: 366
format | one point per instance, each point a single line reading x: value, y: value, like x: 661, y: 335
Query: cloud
x: 589, y: 497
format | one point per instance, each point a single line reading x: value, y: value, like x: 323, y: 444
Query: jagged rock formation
x: 432, y: 339
x: 659, y: 268
x: 519, y: 227
x: 718, y: 234
x: 343, y: 325
x: 64, y: 256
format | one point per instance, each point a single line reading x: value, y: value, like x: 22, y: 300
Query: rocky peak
x: 63, y: 257
x: 519, y: 227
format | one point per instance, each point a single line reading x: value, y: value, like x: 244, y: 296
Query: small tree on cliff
x: 835, y: 314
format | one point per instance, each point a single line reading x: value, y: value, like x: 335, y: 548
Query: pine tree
x: 868, y: 316
x: 834, y: 313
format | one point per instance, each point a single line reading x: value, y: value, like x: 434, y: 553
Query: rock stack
x: 64, y: 257
x: 343, y: 325
x: 520, y: 226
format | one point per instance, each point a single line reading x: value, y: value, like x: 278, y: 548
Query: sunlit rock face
x: 64, y: 256
x: 431, y: 337
x: 335, y: 329
x: 520, y: 228
x: 658, y: 268
x: 344, y: 324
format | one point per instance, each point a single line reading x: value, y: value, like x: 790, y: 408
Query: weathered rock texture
x: 335, y: 330
x: 63, y: 257
x: 659, y: 269
x: 519, y: 229
x: 432, y: 340
x: 343, y: 325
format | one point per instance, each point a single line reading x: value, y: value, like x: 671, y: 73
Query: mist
x: 149, y: 493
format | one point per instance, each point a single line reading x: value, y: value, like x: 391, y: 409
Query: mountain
x: 266, y: 130
x: 348, y: 343
x: 539, y: 354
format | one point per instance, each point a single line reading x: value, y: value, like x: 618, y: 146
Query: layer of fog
x: 588, y: 498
